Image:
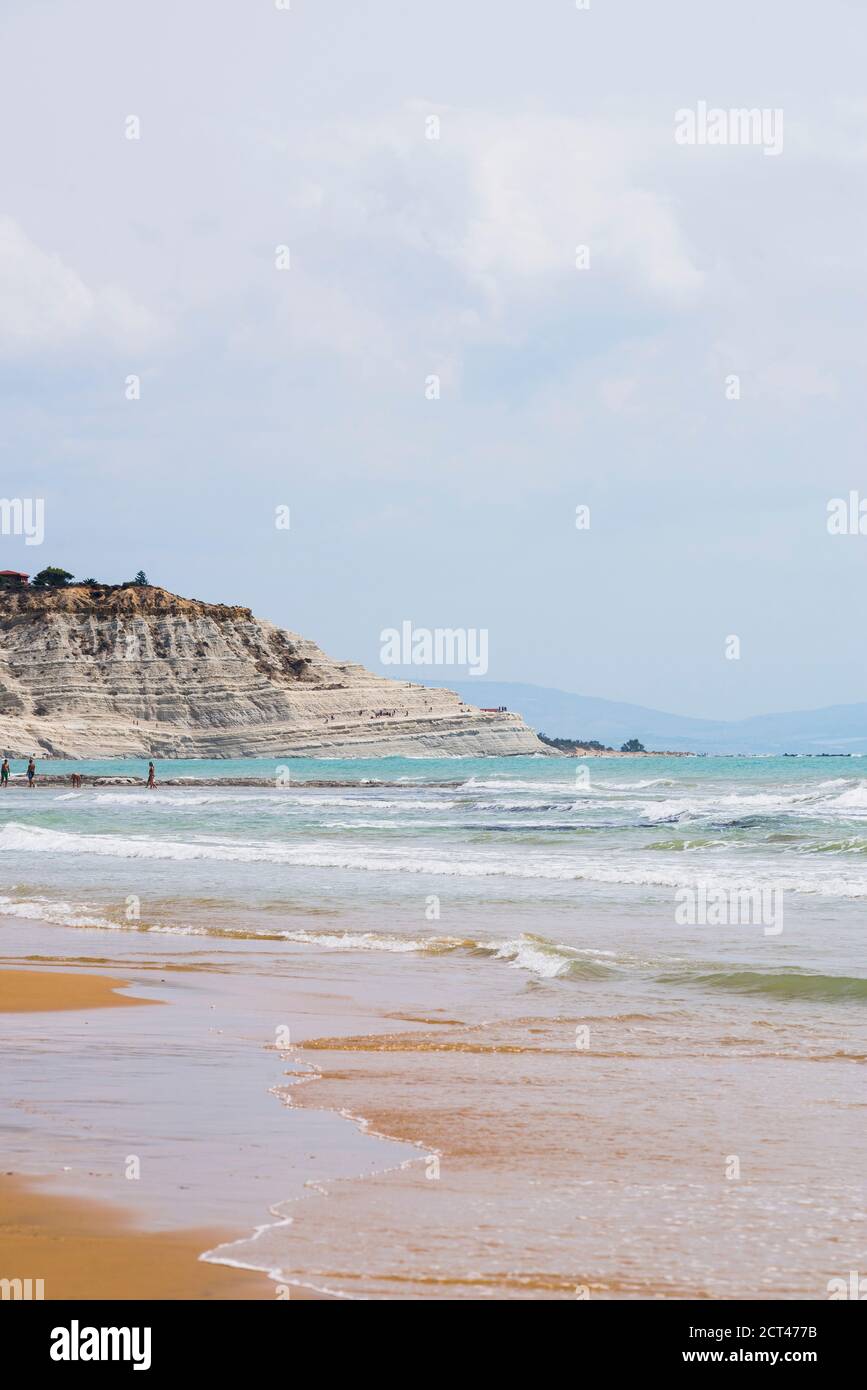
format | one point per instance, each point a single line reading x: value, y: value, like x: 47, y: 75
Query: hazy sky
x: 456, y: 257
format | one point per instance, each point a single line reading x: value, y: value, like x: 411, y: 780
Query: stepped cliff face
x: 133, y: 672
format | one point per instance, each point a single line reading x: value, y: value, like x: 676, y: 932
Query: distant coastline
x: 834, y: 730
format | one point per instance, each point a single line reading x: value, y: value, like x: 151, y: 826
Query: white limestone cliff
x: 137, y: 672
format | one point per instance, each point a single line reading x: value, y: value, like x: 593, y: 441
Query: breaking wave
x: 394, y: 859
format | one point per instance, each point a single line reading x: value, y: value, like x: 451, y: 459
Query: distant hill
x: 560, y: 714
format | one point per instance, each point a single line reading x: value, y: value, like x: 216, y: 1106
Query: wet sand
x: 38, y: 991
x: 89, y: 1251
x: 83, y: 1249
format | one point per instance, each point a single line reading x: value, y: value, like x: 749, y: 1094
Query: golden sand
x: 86, y: 1250
x: 33, y: 991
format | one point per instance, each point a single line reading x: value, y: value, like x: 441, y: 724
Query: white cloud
x: 539, y: 186
x: 45, y: 305
x: 478, y: 227
x: 506, y: 199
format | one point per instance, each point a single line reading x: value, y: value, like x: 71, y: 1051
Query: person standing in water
x: 152, y: 776
x: 31, y: 774
x: 4, y: 774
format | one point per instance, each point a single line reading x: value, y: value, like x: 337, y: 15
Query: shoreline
x: 93, y: 1247
x: 88, y: 1250
x: 58, y: 1238
x: 382, y: 1072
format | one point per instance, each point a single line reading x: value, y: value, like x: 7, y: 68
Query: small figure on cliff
x: 152, y: 776
x: 4, y: 773
x: 31, y: 774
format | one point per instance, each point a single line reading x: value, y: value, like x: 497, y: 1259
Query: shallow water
x: 601, y: 1095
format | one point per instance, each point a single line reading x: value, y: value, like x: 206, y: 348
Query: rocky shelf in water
x: 56, y: 779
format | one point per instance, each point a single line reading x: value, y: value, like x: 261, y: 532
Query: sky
x: 340, y: 256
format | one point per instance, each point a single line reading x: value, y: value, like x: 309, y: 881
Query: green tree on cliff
x: 51, y: 578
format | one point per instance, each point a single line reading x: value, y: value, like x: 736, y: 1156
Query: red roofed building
x: 13, y: 579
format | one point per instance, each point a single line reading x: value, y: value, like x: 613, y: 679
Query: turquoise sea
x: 558, y: 832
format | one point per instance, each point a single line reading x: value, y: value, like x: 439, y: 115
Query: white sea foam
x: 800, y: 804
x: 825, y: 799
x: 537, y: 956
x: 855, y: 799
x: 517, y: 784
x: 49, y: 910
x: 391, y: 859
x: 373, y: 941
x: 276, y: 798
x: 636, y: 786
x: 542, y: 959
